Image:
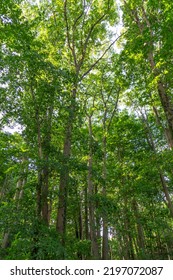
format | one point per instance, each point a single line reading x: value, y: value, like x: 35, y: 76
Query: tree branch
x: 97, y: 61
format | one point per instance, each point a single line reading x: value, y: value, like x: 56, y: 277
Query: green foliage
x: 61, y: 77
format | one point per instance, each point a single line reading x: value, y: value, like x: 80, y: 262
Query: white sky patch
x: 38, y: 2
x: 13, y: 127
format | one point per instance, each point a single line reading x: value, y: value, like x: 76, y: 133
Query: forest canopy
x: 86, y: 129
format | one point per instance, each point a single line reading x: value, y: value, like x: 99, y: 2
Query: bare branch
x: 77, y: 19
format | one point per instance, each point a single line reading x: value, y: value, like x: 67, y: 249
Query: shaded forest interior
x: 86, y: 129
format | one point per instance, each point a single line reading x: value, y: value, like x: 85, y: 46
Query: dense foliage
x: 86, y: 139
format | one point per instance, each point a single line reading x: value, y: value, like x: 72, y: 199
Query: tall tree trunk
x: 164, y: 98
x: 64, y: 175
x: 45, y: 209
x: 97, y: 219
x: 63, y: 185
x: 140, y: 236
x: 44, y: 196
x: 42, y: 187
x: 128, y: 231
x: 106, y: 128
x: 105, y: 245
x: 94, y: 244
x: 78, y: 225
x: 86, y: 214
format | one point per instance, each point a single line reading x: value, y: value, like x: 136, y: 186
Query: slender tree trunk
x: 166, y: 192
x: 105, y: 245
x: 97, y: 220
x: 63, y: 185
x: 94, y: 244
x: 140, y: 236
x: 36, y: 229
x: 42, y: 187
x: 165, y: 100
x: 44, y: 198
x: 40, y: 156
x: 43, y: 130
x: 46, y: 173
x: 80, y: 222
x: 106, y: 127
x: 128, y: 231
x: 86, y: 214
x: 78, y: 225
